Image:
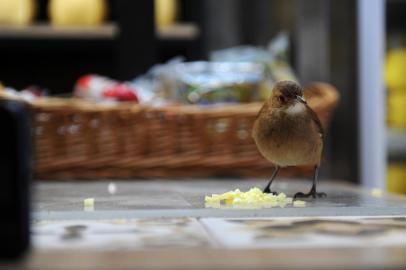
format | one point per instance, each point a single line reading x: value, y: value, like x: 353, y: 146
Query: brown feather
x: 316, y: 120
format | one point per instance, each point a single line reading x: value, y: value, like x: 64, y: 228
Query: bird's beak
x: 301, y: 99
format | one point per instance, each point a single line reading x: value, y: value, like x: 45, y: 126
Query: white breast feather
x: 296, y: 108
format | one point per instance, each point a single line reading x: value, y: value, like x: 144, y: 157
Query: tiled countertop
x: 165, y: 225
x: 133, y: 199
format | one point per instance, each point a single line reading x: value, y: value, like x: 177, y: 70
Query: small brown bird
x: 288, y: 132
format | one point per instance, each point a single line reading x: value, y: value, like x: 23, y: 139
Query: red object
x: 84, y: 81
x: 121, y: 92
x: 97, y: 87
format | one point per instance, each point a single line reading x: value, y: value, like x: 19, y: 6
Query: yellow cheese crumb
x: 89, y: 202
x: 299, y: 203
x: 376, y: 192
x: 120, y: 221
x: 254, y: 198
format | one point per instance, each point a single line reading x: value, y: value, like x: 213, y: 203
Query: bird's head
x: 286, y: 95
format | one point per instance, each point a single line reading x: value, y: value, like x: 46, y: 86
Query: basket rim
x: 325, y: 95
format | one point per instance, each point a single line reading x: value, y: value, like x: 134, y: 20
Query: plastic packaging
x: 99, y: 88
x: 274, y: 58
x: 203, y: 82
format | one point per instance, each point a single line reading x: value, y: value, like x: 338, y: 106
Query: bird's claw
x: 269, y: 191
x: 312, y: 193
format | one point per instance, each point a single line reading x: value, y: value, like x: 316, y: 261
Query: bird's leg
x: 267, y: 189
x: 313, y: 191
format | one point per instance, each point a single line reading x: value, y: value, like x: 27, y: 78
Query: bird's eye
x: 281, y: 98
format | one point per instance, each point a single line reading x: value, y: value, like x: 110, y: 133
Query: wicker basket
x: 78, y: 139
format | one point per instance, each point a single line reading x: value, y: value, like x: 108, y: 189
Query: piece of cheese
x: 376, y: 192
x: 88, y: 202
x: 299, y: 203
x: 254, y: 198
x: 112, y: 188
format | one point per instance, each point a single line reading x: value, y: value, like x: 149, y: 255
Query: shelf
x: 178, y: 31
x: 396, y: 140
x: 46, y: 31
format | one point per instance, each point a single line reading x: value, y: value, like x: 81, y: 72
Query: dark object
x: 267, y: 189
x: 14, y: 175
x: 135, y: 45
x: 288, y: 132
x: 313, y: 193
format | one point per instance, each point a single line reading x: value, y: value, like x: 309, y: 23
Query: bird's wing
x: 316, y: 120
x: 263, y: 108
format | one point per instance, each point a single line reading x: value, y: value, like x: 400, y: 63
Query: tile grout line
x: 216, y: 242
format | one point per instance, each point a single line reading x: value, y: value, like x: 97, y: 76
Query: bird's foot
x: 269, y: 191
x: 312, y: 193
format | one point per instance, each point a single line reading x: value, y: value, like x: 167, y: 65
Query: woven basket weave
x: 76, y: 139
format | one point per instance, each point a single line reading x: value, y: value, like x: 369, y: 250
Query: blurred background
x: 48, y: 45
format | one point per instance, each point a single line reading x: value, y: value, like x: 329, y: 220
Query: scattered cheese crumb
x: 254, y: 198
x: 112, y: 188
x: 288, y: 200
x: 376, y: 192
x: 88, y: 204
x: 120, y: 221
x: 299, y: 203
